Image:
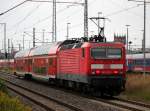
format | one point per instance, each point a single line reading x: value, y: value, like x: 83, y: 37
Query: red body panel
x: 70, y: 61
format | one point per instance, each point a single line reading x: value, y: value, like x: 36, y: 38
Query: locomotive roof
x: 138, y: 56
x: 45, y: 49
x: 71, y: 45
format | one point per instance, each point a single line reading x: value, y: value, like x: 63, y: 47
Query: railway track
x: 42, y: 100
x: 117, y: 102
x: 126, y: 104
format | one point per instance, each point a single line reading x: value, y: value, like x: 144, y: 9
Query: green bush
x: 11, y: 104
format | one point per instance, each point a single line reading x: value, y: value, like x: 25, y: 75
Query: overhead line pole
x: 86, y: 18
x: 8, y: 48
x: 5, y: 40
x: 33, y: 37
x: 54, y: 38
x: 43, y: 36
x: 144, y: 38
x: 99, y: 22
x: 5, y: 51
x: 67, y: 37
x: 127, y: 48
x: 23, y: 40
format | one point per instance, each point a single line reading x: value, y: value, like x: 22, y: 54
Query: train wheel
x: 59, y: 83
x: 65, y: 83
x: 28, y: 76
x: 86, y: 88
x: 98, y: 93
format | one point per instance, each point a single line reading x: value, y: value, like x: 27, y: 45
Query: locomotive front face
x: 106, y: 60
x: 107, y: 67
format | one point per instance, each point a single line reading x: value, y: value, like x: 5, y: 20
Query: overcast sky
x: 39, y: 15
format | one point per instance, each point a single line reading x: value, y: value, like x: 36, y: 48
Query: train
x: 7, y: 64
x: 78, y: 64
x: 135, y: 62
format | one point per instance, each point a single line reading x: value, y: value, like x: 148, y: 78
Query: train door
x: 52, y: 64
x: 29, y: 65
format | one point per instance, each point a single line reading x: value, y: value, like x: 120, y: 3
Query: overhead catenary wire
x: 115, y: 13
x: 33, y: 1
x: 47, y: 1
x: 110, y: 14
x: 38, y: 22
x: 13, y: 7
x: 118, y: 5
x: 120, y: 11
x: 13, y: 3
x: 61, y: 10
x: 44, y: 19
x: 28, y: 15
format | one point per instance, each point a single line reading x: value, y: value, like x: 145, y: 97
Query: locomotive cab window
x: 106, y: 53
x: 98, y: 53
x: 114, y: 53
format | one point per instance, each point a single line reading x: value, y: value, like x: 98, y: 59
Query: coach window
x: 30, y: 61
x: 51, y: 61
x: 147, y: 62
x: 83, y: 52
x: 26, y: 61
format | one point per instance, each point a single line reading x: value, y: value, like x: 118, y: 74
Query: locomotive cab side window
x: 83, y: 52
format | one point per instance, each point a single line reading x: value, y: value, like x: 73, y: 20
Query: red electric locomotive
x: 79, y: 64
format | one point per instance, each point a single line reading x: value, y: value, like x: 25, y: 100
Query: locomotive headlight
x: 115, y: 72
x: 97, y: 72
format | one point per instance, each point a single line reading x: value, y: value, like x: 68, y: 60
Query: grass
x: 3, y: 87
x: 8, y: 70
x: 11, y: 104
x: 8, y: 103
x: 137, y: 88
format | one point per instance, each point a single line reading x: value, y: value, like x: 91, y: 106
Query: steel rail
x: 74, y: 108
